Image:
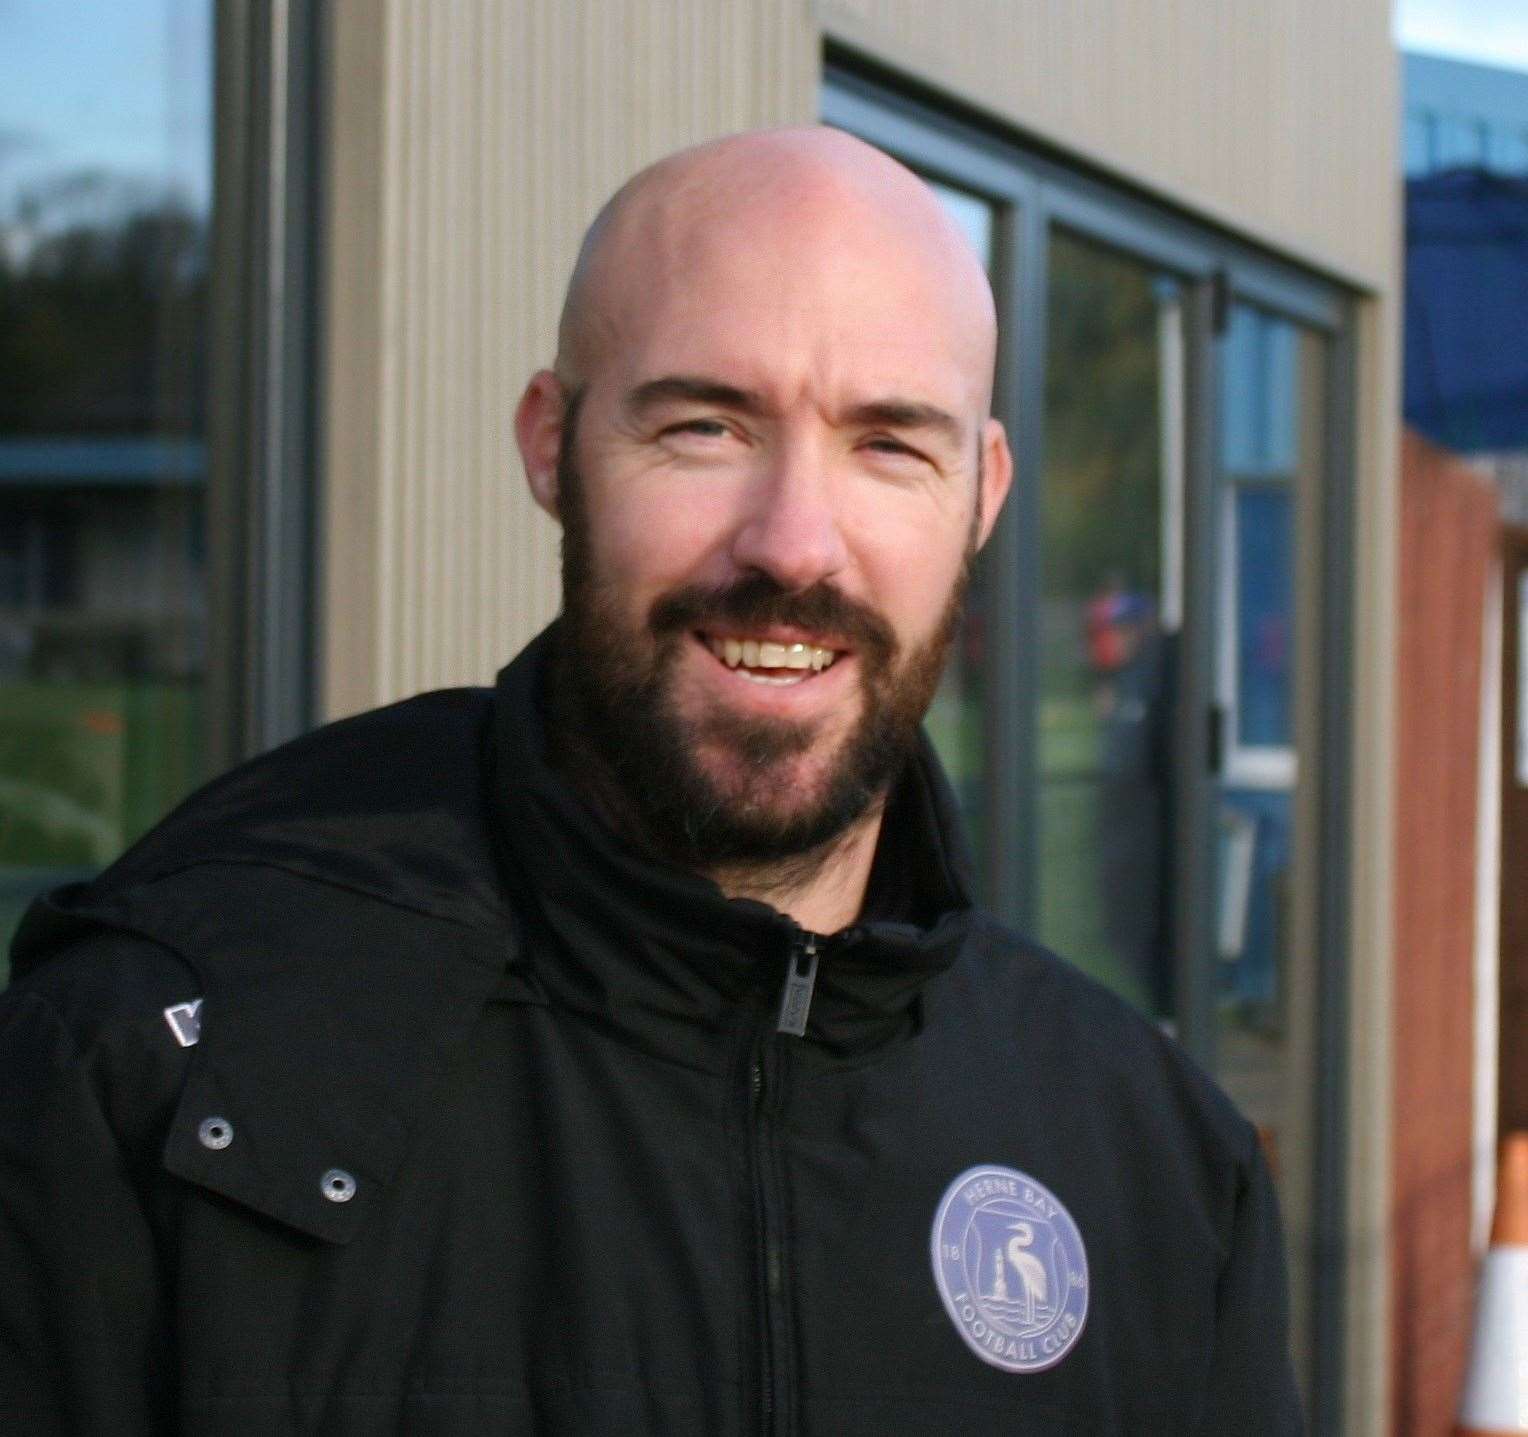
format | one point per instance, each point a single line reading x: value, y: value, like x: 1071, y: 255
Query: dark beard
x: 618, y: 736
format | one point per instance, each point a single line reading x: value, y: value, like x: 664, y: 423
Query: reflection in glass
x: 1273, y: 376
x: 1264, y: 556
x: 1270, y: 445
x: 1111, y: 596
x: 105, y: 177
x: 954, y: 720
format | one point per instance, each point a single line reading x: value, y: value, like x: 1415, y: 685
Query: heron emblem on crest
x: 1011, y: 1268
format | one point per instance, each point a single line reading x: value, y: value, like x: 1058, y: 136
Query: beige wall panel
x: 1278, y: 118
x: 472, y: 141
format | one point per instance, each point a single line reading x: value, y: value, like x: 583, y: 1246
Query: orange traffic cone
x: 1495, y: 1400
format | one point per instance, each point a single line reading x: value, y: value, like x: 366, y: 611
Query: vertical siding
x: 1278, y: 118
x: 471, y: 143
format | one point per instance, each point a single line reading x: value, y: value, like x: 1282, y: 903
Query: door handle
x: 1215, y: 732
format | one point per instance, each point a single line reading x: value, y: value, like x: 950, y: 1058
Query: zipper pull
x: 800, y: 979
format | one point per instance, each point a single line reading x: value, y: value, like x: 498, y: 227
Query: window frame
x: 264, y: 401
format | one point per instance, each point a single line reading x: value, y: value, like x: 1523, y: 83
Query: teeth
x: 763, y: 654
x: 773, y: 680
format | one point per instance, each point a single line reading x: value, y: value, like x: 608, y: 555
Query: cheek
x: 912, y: 563
x: 648, y: 546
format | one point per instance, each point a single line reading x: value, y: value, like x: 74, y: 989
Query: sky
x: 1491, y: 32
x: 124, y: 86
x: 120, y: 86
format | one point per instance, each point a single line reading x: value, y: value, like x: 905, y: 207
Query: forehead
x: 796, y: 296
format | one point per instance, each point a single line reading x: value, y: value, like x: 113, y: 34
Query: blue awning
x: 1466, y: 359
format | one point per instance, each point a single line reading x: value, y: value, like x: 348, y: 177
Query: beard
x: 620, y: 736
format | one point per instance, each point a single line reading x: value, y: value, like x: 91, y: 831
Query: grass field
x: 1070, y: 917
x: 1070, y: 884
x: 85, y: 768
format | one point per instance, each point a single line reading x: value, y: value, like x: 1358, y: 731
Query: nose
x: 791, y: 531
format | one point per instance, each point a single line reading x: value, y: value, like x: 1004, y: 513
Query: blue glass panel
x: 1254, y: 876
x: 1265, y: 615
x: 1259, y: 396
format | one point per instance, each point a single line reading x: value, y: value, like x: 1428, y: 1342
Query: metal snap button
x: 337, y: 1185
x: 215, y: 1133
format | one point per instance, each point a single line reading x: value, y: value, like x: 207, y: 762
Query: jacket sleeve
x: 1252, y: 1387
x: 79, y: 1303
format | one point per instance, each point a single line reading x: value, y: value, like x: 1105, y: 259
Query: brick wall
x: 1449, y: 534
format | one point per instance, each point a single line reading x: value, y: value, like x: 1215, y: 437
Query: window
x: 105, y: 215
x: 155, y: 477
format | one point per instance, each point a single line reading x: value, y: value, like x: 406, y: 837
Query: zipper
x: 800, y: 981
x: 766, y: 1248
x: 767, y: 1061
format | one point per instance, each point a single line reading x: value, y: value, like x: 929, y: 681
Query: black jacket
x: 489, y: 1129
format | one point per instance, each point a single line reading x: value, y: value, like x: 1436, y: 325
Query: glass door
x: 1111, y: 610
x: 1175, y: 831
x: 1268, y: 482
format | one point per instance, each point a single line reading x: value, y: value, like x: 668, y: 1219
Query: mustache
x: 758, y: 601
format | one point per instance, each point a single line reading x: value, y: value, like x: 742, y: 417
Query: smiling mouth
x: 764, y: 661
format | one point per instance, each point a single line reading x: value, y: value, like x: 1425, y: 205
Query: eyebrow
x: 908, y: 414
x: 891, y: 413
x: 697, y: 390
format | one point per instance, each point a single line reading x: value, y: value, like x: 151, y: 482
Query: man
x: 622, y: 1051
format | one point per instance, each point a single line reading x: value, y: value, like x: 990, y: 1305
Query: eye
x: 698, y: 428
x: 886, y: 444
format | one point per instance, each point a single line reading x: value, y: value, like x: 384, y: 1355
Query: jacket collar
x: 663, y: 957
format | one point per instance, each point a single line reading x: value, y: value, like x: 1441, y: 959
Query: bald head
x: 784, y: 198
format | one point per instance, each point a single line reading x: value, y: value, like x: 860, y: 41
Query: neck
x: 823, y: 890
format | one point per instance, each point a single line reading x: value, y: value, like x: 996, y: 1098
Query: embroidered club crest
x: 1011, y: 1268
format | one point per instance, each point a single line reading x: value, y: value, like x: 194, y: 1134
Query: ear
x: 538, y: 429
x: 997, y: 475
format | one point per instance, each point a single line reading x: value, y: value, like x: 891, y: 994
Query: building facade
x: 1458, y: 113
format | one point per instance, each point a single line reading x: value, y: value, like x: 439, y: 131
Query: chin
x: 778, y: 794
